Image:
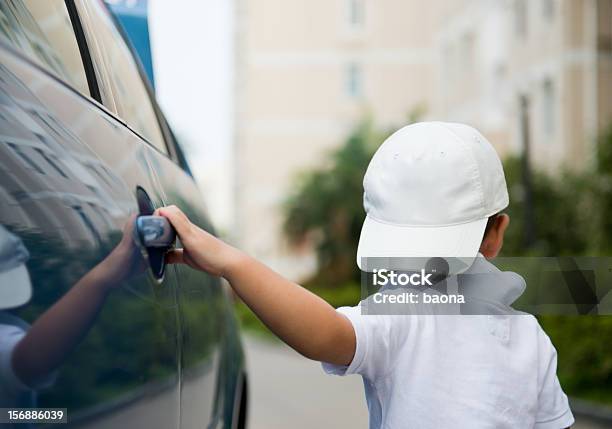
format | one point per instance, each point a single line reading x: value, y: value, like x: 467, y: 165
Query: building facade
x: 560, y: 77
x: 309, y: 71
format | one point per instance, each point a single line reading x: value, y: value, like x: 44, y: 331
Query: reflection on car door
x: 68, y: 177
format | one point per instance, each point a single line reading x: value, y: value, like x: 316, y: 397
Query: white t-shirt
x: 11, y: 388
x: 457, y: 371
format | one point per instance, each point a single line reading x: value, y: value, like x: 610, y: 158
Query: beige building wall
x: 556, y: 64
x: 308, y: 72
x: 471, y: 41
x: 555, y: 53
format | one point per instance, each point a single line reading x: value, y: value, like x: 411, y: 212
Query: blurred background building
x: 275, y: 85
x: 306, y: 74
x: 471, y: 44
x: 560, y: 75
x: 532, y: 75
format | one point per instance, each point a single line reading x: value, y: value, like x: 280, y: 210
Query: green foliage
x: 602, y: 186
x: 584, y: 358
x: 556, y: 209
x: 571, y: 209
x: 341, y: 295
x: 326, y: 208
x: 583, y: 342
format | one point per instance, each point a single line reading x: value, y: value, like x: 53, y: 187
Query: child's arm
x: 300, y: 318
x: 55, y: 334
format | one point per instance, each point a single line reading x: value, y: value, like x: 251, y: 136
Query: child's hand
x: 122, y: 263
x: 201, y: 250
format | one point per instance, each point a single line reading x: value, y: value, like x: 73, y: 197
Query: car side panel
x: 68, y: 175
x: 212, y: 357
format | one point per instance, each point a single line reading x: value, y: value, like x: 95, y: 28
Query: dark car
x: 90, y: 321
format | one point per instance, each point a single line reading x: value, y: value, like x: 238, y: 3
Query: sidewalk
x: 287, y: 390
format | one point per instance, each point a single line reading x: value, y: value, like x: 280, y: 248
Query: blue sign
x: 133, y: 17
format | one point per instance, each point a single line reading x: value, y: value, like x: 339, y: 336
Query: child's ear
x: 494, y: 239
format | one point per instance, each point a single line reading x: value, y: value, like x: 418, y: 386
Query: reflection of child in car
x: 29, y: 355
x: 431, y: 190
x: 15, y: 290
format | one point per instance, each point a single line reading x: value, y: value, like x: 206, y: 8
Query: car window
x: 42, y: 30
x: 130, y: 93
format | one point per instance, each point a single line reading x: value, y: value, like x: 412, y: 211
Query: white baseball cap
x: 428, y: 192
x: 15, y: 285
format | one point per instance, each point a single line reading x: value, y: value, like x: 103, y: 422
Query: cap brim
x: 15, y: 287
x: 384, y: 240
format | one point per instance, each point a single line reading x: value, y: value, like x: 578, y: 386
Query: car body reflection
x: 76, y: 167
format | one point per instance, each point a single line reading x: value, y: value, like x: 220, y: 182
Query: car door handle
x: 155, y: 232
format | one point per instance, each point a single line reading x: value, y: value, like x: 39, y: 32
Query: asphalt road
x: 289, y: 391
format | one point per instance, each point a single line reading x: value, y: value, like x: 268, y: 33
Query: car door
x: 72, y: 178
x: 205, y: 311
x: 206, y: 317
x: 204, y: 308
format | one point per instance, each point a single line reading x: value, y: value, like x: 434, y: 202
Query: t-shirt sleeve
x: 9, y: 337
x: 376, y: 344
x: 553, y: 407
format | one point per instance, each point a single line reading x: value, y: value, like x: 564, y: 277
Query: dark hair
x: 490, y: 223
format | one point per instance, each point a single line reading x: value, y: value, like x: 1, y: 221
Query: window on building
x: 520, y: 17
x: 548, y: 9
x: 548, y: 107
x: 25, y: 158
x: 467, y: 56
x: 356, y: 13
x: 53, y: 162
x: 42, y: 31
x: 130, y: 92
x: 354, y: 78
x: 87, y: 222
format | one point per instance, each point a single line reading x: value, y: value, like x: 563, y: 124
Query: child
x: 431, y: 190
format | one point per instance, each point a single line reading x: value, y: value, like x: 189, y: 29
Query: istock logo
x: 385, y: 277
